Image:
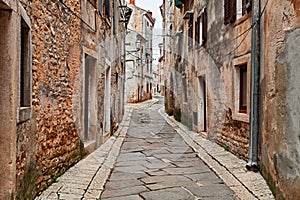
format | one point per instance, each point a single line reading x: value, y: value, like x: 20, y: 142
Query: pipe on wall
x: 115, y: 18
x: 254, y: 91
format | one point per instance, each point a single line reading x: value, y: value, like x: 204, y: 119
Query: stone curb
x: 245, y: 184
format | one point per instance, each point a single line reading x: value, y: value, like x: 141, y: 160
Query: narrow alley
x: 149, y: 159
x: 139, y: 99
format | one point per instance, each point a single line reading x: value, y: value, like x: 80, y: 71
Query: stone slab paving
x: 156, y: 163
x: 152, y: 156
x: 86, y: 179
x: 246, y: 184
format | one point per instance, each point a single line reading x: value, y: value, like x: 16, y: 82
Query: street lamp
x: 138, y: 45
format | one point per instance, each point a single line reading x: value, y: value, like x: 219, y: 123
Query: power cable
x: 248, y: 30
x: 73, y: 13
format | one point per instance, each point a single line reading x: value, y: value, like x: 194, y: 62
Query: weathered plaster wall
x: 280, y: 98
x: 224, y: 48
x: 214, y: 63
x: 9, y: 62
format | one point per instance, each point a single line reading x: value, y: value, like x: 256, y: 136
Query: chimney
x: 132, y: 2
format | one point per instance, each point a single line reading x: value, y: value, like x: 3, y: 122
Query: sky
x: 153, y: 5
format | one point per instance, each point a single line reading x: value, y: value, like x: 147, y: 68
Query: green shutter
x: 178, y: 3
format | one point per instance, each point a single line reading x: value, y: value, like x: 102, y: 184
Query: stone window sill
x: 24, y: 114
x: 243, y: 117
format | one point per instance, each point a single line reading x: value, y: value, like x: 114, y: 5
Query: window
x: 184, y: 89
x: 147, y: 88
x: 247, y: 6
x: 179, y: 45
x: 201, y: 28
x: 25, y: 67
x: 243, y: 89
x: 107, y: 8
x: 190, y: 33
x: 241, y: 81
x: 234, y: 9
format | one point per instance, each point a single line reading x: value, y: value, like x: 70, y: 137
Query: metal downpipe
x: 254, y: 93
x: 115, y: 19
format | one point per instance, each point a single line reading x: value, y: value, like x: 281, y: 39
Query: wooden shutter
x: 107, y: 8
x: 204, y: 26
x: 197, y: 29
x: 229, y: 11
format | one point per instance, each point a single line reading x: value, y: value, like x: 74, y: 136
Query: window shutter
x: 204, y: 28
x: 197, y: 29
x: 107, y: 8
x: 229, y: 11
x: 226, y: 11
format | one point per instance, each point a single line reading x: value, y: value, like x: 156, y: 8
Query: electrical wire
x: 73, y: 13
x: 248, y: 30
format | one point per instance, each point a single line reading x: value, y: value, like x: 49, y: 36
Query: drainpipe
x: 141, y: 84
x: 124, y: 69
x: 115, y: 19
x: 254, y: 93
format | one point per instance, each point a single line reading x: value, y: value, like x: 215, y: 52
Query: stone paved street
x: 151, y: 156
x: 156, y: 163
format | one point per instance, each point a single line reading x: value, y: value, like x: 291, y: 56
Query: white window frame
x: 236, y: 115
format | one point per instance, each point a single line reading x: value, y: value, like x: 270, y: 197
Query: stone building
x: 208, y: 64
x: 62, y: 76
x: 139, y: 53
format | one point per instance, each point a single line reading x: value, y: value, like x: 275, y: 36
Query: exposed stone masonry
x: 56, y: 62
x: 235, y: 136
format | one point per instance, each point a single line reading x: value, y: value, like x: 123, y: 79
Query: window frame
x: 236, y: 64
x: 201, y: 28
x: 25, y: 68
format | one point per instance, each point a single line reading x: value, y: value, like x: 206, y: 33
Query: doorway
x: 201, y: 103
x: 107, y: 101
x: 90, y: 115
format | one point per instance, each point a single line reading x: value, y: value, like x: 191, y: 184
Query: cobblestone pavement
x: 156, y: 163
x: 152, y: 156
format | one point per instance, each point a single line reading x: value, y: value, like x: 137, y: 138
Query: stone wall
x: 42, y: 140
x: 279, y: 141
x: 235, y: 136
x: 49, y: 144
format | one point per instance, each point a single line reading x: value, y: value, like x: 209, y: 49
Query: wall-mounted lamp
x: 178, y: 33
x: 188, y: 14
x: 138, y: 45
